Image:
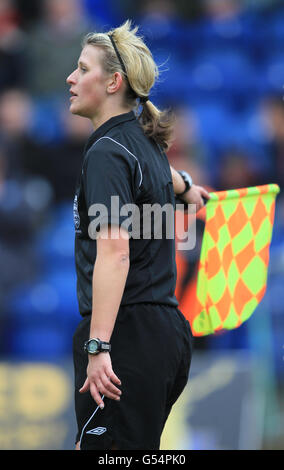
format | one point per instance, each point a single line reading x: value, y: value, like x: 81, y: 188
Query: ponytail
x: 127, y: 53
x: 156, y: 124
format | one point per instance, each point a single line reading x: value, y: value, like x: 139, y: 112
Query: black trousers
x: 151, y: 355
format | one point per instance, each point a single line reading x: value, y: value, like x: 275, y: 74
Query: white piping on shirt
x: 118, y: 143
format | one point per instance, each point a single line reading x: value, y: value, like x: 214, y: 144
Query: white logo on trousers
x: 98, y: 431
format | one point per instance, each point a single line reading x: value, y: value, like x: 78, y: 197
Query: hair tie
x: 143, y: 99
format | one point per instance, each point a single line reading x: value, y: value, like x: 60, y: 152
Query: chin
x: 73, y: 109
x: 77, y: 111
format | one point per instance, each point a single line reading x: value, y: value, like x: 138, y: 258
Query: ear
x: 115, y: 83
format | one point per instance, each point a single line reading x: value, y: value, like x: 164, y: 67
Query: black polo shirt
x: 122, y: 166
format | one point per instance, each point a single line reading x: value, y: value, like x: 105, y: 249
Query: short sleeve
x: 109, y: 177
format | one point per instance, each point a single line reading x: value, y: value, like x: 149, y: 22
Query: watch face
x: 93, y: 346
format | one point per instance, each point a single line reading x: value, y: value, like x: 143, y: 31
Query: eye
x: 83, y: 69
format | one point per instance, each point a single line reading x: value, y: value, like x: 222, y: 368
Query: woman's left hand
x: 194, y: 196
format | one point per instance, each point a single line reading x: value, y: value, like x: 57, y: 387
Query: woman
x: 132, y: 349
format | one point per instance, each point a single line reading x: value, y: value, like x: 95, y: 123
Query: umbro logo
x: 98, y: 431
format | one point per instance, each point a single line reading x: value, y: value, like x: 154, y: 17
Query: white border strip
x: 105, y: 137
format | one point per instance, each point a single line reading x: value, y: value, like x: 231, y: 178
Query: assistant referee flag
x: 232, y: 271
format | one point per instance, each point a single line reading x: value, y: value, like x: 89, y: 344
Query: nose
x: 71, y: 80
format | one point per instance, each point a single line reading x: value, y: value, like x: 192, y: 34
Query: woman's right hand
x: 101, y: 379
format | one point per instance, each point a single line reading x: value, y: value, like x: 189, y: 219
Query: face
x: 88, y: 83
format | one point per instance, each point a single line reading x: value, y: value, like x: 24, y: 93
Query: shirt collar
x: 106, y: 126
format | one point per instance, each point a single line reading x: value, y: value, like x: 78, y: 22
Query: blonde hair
x: 130, y: 56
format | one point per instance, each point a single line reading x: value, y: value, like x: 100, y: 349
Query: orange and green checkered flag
x: 234, y: 257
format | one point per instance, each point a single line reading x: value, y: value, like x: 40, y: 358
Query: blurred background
x: 222, y: 72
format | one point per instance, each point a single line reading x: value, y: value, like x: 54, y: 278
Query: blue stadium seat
x: 46, y: 125
x: 173, y: 36
x: 276, y: 26
x: 236, y: 32
x: 54, y: 244
x: 39, y: 343
x: 211, y: 119
x: 171, y: 87
x: 50, y: 298
x: 223, y: 71
x: 248, y: 135
x: 271, y: 74
x: 106, y: 13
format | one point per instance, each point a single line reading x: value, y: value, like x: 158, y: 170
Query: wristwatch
x: 188, y: 182
x: 95, y: 346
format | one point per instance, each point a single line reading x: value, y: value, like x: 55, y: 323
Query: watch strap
x: 187, y: 180
x: 104, y: 346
